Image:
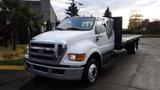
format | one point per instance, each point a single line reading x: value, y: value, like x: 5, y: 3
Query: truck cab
x: 77, y: 49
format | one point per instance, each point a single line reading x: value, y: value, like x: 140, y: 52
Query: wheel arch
x: 98, y: 58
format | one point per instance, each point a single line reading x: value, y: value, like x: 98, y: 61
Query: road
x: 131, y: 72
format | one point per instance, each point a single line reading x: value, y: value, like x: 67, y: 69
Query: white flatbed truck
x: 78, y: 48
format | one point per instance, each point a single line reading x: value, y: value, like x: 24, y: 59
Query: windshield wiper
x: 59, y: 28
x: 72, y: 28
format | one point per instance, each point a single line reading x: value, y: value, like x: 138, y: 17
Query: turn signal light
x: 77, y: 57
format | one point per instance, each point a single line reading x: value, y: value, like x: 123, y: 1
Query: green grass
x: 19, y: 48
x: 4, y: 52
x: 13, y: 62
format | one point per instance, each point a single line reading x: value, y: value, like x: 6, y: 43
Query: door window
x: 103, y: 28
x: 110, y: 29
x: 100, y: 28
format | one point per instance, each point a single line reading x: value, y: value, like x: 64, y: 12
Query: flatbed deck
x: 129, y: 38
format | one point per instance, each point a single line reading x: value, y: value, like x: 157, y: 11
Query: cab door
x: 104, y: 37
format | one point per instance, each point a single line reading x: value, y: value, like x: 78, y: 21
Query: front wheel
x: 90, y: 72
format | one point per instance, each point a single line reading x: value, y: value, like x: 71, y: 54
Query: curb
x: 12, y: 67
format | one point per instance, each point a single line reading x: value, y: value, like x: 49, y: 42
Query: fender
x: 86, y: 46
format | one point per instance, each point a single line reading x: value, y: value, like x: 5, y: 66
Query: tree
x: 31, y: 22
x: 144, y: 25
x: 135, y: 21
x: 72, y: 9
x: 18, y: 17
x: 107, y: 13
x: 4, y: 24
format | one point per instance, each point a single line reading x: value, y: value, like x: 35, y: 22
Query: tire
x: 90, y: 72
x: 132, y: 48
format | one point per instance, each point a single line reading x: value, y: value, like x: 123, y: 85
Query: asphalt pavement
x: 131, y: 72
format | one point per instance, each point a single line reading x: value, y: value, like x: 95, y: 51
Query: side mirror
x: 104, y: 25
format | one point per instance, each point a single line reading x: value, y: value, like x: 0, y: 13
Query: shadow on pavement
x: 42, y: 83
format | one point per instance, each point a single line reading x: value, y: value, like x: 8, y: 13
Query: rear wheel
x: 90, y: 72
x: 132, y: 48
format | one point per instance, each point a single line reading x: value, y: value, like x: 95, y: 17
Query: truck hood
x: 60, y: 35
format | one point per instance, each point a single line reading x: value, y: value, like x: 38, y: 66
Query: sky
x: 150, y: 9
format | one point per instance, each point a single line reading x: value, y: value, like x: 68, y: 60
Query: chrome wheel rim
x: 92, y: 72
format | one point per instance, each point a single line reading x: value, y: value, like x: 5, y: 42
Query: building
x: 44, y: 8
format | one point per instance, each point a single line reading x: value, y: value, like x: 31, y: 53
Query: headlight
x: 76, y: 57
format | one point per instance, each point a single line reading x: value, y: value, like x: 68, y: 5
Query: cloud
x: 143, y: 3
x: 149, y: 8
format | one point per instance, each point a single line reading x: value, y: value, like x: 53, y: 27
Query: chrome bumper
x: 61, y: 73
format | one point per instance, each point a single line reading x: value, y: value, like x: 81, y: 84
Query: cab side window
x: 100, y: 28
x: 103, y: 29
x: 110, y: 29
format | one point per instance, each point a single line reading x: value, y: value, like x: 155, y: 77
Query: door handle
x: 97, y: 39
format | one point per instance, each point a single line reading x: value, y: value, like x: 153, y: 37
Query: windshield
x: 81, y: 23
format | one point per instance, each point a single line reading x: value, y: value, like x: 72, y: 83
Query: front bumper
x: 61, y: 73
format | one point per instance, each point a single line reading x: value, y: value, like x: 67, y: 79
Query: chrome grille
x: 46, y: 53
x: 43, y: 45
x: 50, y: 58
x: 42, y: 51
